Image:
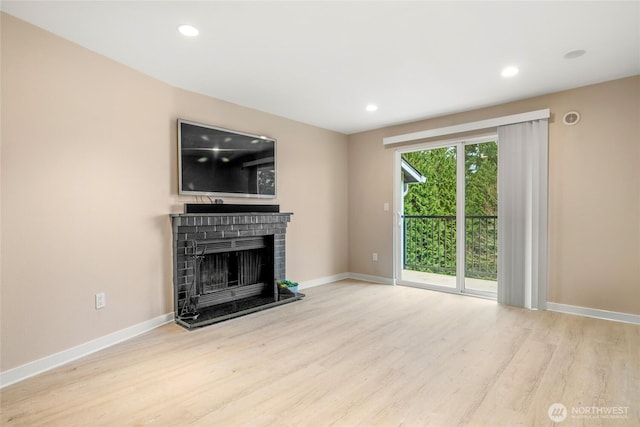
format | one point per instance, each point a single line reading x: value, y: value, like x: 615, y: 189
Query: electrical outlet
x: 101, y: 300
x: 375, y: 256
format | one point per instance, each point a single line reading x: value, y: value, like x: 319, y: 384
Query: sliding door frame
x: 398, y: 204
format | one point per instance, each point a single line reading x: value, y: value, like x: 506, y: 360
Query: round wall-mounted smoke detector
x: 571, y: 118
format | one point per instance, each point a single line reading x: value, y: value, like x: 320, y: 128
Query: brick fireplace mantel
x: 195, y: 234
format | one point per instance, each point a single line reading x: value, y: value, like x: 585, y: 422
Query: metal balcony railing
x: 430, y: 245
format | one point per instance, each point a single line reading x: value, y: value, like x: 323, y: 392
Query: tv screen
x: 214, y: 161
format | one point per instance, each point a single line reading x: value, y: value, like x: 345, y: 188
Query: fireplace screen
x: 230, y: 269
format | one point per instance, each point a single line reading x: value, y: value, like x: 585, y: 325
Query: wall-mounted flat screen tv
x: 214, y: 161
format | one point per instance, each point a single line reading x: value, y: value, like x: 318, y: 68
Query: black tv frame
x: 224, y: 134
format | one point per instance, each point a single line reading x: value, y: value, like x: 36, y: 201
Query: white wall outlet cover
x: 101, y: 300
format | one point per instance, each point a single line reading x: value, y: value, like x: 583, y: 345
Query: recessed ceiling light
x: 510, y: 71
x: 188, y: 30
x: 372, y: 107
x: 574, y: 54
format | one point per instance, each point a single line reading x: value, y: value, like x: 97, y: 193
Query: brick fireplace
x: 227, y: 264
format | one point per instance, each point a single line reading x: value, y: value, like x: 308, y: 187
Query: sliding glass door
x: 447, y: 228
x: 429, y: 218
x: 481, y: 217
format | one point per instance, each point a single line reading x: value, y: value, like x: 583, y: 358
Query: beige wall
x: 594, y: 190
x: 89, y: 177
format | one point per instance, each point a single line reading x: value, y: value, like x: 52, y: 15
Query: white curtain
x: 522, y: 214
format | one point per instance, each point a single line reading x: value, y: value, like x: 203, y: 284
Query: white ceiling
x: 322, y: 62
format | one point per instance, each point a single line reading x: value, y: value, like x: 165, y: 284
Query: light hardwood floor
x: 350, y: 354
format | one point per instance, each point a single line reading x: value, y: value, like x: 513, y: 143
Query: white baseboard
x: 374, y: 279
x: 343, y: 276
x: 323, y: 280
x: 47, y: 363
x: 595, y: 313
